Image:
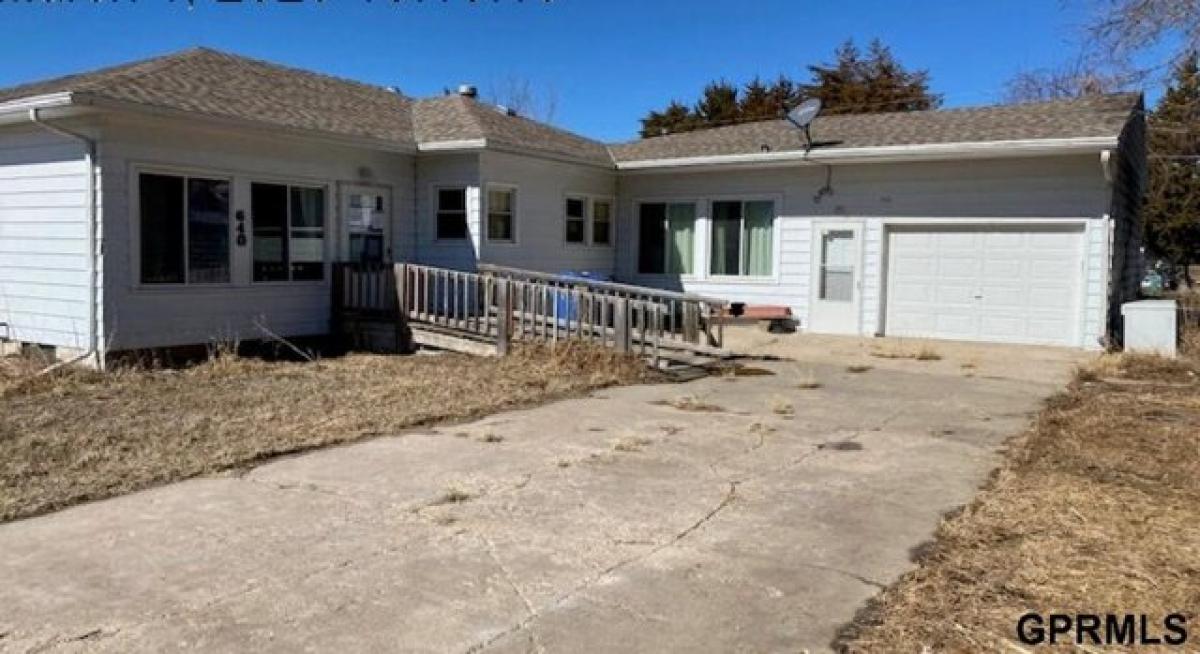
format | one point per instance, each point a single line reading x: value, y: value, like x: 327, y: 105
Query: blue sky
x: 607, y: 61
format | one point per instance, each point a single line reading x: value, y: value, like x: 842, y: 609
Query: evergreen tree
x: 1171, y: 216
x: 876, y: 83
x: 719, y: 104
x: 853, y: 83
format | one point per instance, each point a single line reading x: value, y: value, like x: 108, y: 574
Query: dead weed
x: 1093, y: 511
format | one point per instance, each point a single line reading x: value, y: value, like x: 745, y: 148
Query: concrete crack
x: 728, y: 499
x: 512, y: 582
x: 846, y: 573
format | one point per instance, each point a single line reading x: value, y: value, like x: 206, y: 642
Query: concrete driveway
x: 728, y: 514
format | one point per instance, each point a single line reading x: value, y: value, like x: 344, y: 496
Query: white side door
x: 836, y: 278
x: 366, y: 223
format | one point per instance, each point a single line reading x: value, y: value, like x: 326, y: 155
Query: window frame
x: 436, y: 202
x: 699, y: 211
x: 589, y: 218
x: 743, y: 200
x: 567, y: 219
x: 136, y: 170
x: 514, y: 212
x: 325, y: 227
x: 612, y: 221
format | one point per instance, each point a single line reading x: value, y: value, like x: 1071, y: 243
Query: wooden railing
x: 687, y: 317
x: 510, y: 305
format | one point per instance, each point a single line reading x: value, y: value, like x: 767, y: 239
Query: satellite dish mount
x: 802, y: 116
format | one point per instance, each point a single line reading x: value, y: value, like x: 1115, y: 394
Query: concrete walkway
x: 616, y: 523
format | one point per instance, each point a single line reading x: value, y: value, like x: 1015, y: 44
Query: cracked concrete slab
x: 610, y: 523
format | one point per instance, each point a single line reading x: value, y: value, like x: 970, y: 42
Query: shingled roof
x: 459, y: 118
x: 217, y: 84
x: 1100, y: 116
x: 222, y: 85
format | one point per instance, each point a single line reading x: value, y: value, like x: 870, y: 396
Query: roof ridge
x: 241, y: 60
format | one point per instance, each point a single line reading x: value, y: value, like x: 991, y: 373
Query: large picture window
x: 451, y: 214
x: 666, y: 238
x: 289, y: 232
x: 184, y: 229
x: 742, y: 238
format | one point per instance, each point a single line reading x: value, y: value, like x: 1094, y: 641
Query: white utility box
x: 1150, y: 326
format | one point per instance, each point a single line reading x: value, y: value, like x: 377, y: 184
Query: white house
x: 200, y: 195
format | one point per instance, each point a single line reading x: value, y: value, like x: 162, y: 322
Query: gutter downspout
x: 93, y: 265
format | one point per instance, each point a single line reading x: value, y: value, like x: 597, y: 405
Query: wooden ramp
x: 397, y: 306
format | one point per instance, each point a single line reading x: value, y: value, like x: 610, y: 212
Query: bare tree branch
x: 1124, y: 28
x: 518, y: 94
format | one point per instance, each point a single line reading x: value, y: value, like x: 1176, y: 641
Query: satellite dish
x: 802, y: 116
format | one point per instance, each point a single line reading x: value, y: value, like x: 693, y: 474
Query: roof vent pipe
x: 468, y: 90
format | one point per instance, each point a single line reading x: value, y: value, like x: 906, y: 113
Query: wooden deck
x: 385, y: 306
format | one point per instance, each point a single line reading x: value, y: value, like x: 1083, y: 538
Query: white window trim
x: 325, y: 230
x: 435, y: 205
x: 516, y: 210
x: 697, y: 246
x: 589, y: 216
x: 587, y: 202
x: 612, y: 221
x: 136, y: 171
x: 776, y: 227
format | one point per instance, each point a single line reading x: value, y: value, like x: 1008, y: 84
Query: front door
x: 837, y: 278
x: 366, y: 224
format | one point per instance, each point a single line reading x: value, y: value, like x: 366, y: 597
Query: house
x: 203, y: 195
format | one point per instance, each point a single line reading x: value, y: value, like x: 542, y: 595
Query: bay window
x: 742, y: 238
x: 666, y: 238
x: 184, y: 229
x: 289, y: 232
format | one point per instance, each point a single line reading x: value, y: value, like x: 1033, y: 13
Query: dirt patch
x: 77, y: 435
x: 1094, y: 511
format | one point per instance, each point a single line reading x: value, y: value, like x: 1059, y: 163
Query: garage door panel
x: 954, y: 294
x: 958, y: 267
x: 989, y: 283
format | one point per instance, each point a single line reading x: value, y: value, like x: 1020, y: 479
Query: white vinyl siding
x: 44, y: 280
x: 1049, y: 189
x: 138, y: 316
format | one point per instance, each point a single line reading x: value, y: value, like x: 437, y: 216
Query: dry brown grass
x: 903, y: 351
x: 77, y: 435
x: 690, y: 403
x: 1094, y: 511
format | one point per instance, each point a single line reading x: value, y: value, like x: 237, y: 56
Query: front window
x: 289, y: 232
x: 451, y: 214
x: 601, y: 222
x: 837, y: 266
x: 576, y: 220
x: 666, y: 238
x: 742, y: 238
x: 184, y: 229
x: 501, y: 213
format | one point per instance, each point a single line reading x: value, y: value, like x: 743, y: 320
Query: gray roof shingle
x: 1094, y: 116
x: 218, y: 84
x: 454, y: 117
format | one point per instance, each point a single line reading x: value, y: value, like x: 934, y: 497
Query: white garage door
x: 988, y: 283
